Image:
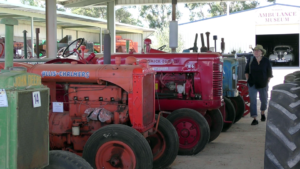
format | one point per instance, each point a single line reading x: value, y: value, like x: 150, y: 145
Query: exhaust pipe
x: 207, y: 37
x: 203, y: 48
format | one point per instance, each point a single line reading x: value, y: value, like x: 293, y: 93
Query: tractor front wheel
x: 230, y: 114
x: 66, y: 160
x: 239, y: 106
x: 192, y: 129
x: 164, y: 144
x: 118, y: 146
x: 215, y: 122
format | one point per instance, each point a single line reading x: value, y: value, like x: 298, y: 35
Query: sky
x: 185, y: 11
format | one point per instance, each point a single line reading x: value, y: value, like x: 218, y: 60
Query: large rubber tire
x: 230, y: 114
x: 192, y: 129
x: 59, y: 159
x: 214, y: 119
x: 292, y: 77
x: 282, y: 144
x: 239, y: 106
x: 164, y: 144
x: 115, y: 143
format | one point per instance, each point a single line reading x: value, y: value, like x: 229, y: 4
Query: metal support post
x: 9, y: 40
x: 127, y: 46
x: 51, y: 29
x: 111, y: 24
x: 25, y: 43
x: 37, y: 31
x: 32, y: 38
x: 174, y: 3
x: 100, y: 40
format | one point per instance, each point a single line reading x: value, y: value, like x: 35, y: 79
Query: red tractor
x: 106, y: 113
x: 187, y: 85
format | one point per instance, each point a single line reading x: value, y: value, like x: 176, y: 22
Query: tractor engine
x: 86, y: 98
x: 175, y: 86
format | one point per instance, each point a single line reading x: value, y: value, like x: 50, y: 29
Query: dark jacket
x: 259, y: 73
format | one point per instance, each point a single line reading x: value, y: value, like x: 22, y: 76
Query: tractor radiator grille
x: 148, y: 98
x: 33, y: 132
x: 217, y: 81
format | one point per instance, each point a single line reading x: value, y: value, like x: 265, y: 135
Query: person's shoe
x: 263, y: 117
x: 254, y: 122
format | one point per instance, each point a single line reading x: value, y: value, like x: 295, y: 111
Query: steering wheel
x: 70, y: 48
x: 162, y: 47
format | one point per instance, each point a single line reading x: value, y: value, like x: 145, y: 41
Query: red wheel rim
x: 188, y: 132
x: 208, y: 119
x: 158, y: 144
x: 115, y: 155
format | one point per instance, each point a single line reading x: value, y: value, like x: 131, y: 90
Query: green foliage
x: 162, y: 38
x: 158, y: 16
x: 99, y: 12
x: 218, y: 8
x: 122, y: 14
x: 31, y: 2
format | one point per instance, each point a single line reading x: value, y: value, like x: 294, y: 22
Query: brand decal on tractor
x: 66, y: 74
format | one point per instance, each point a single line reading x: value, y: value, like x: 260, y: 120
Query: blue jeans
x: 263, y: 97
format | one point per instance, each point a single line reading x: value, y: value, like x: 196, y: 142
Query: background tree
x: 218, y: 8
x: 158, y: 16
x: 122, y: 14
x: 161, y: 37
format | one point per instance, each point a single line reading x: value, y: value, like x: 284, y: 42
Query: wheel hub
x: 185, y: 133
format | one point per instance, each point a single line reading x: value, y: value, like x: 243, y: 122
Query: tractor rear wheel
x: 164, y: 144
x: 214, y: 119
x: 192, y: 129
x: 282, y: 144
x: 239, y: 106
x: 59, y: 159
x: 118, y: 146
x: 230, y: 114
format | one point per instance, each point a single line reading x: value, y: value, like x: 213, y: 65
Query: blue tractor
x: 230, y: 90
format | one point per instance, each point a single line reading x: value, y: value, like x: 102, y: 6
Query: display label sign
x: 58, y: 107
x: 278, y: 15
x: 3, y: 98
x: 36, y: 99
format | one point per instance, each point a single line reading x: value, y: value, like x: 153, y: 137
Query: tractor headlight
x: 285, y: 53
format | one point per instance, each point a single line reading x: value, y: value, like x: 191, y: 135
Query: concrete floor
x: 241, y: 147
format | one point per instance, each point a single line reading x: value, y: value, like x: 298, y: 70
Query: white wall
x: 238, y: 30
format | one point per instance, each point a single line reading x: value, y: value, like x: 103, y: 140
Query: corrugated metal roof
x: 64, y: 19
x: 81, y: 3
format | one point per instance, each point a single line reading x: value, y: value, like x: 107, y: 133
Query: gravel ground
x: 241, y: 147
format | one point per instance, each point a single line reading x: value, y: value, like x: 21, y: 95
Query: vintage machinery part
x: 37, y: 32
x: 239, y: 106
x: 160, y: 48
x: 203, y: 48
x: 67, y: 52
x: 244, y: 93
x: 222, y: 45
x: 207, y: 36
x: 215, y: 39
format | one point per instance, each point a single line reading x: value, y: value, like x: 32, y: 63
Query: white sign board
x: 277, y: 15
x: 3, y: 98
x: 36, y: 99
x: 58, y: 107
